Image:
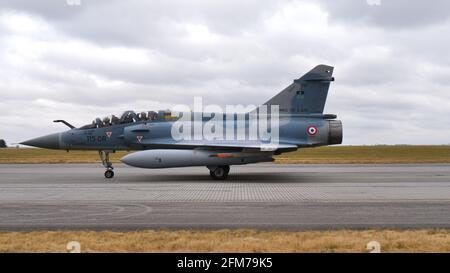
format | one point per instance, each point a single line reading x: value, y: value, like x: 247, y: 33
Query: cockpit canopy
x: 127, y: 117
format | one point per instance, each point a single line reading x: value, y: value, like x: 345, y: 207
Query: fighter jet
x: 155, y: 136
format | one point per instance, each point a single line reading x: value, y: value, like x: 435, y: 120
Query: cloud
x: 102, y: 57
x: 397, y: 14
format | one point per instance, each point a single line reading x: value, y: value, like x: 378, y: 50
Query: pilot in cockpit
x: 114, y: 119
x: 142, y: 116
x: 106, y: 122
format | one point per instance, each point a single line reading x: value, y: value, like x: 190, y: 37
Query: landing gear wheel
x: 104, y: 156
x: 220, y: 172
x: 109, y: 173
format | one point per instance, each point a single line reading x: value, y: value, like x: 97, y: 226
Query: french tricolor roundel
x: 312, y: 130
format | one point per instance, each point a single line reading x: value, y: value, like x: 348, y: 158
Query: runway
x: 262, y: 196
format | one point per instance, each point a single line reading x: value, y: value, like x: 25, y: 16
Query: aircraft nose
x: 48, y: 141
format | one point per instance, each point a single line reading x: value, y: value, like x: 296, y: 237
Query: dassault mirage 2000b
x: 297, y: 110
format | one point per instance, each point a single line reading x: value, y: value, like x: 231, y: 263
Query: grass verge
x: 245, y: 241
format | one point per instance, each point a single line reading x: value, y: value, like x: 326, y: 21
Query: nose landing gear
x: 109, y: 173
x: 104, y: 156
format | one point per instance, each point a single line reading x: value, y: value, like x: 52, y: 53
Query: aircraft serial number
x: 91, y: 139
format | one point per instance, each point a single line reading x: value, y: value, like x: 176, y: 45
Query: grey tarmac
x: 261, y: 196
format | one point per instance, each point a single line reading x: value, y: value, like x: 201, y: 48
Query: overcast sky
x: 60, y: 60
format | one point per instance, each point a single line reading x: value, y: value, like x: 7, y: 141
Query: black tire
x: 220, y: 173
x: 109, y: 174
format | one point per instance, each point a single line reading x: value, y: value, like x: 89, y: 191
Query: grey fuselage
x: 157, y: 134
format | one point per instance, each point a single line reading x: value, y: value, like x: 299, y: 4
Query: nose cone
x: 48, y: 141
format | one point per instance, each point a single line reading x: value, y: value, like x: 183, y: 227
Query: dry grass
x: 334, y: 154
x: 227, y: 241
x: 31, y: 155
x: 380, y: 154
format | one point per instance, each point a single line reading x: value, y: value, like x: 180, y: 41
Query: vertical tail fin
x: 306, y: 95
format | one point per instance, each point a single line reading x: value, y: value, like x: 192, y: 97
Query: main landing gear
x: 104, y: 156
x: 219, y: 172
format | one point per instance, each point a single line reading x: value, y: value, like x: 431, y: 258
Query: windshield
x: 126, y: 117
